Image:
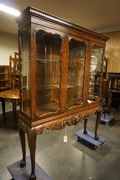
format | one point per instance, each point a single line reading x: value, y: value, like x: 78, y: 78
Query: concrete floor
x: 72, y: 160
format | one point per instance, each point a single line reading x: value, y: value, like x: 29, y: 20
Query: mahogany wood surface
x: 10, y: 96
x: 48, y: 43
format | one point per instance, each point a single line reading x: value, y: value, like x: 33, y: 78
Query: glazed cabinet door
x: 25, y: 73
x: 57, y: 72
x: 48, y: 59
x: 40, y: 61
x: 76, y: 73
x: 95, y: 80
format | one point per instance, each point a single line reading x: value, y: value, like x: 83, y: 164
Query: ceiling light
x: 9, y: 10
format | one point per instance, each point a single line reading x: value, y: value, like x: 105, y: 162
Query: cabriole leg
x: 97, y: 124
x: 32, y: 146
x: 22, y: 140
x: 85, y: 126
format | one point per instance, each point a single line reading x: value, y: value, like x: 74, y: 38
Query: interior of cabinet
x: 95, y: 73
x: 48, y: 72
x: 76, y: 72
x: 48, y: 59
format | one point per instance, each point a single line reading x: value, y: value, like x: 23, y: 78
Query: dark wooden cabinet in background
x: 4, y: 77
x: 63, y: 65
x: 114, y: 88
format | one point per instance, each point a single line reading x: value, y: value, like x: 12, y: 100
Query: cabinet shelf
x: 47, y: 60
x: 3, y: 73
x: 5, y: 79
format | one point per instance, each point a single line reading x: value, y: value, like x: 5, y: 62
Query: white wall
x: 8, y: 45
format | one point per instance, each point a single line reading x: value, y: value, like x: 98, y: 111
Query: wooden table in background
x: 10, y: 96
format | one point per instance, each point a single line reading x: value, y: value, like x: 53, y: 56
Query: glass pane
x: 95, y: 73
x: 47, y: 72
x: 25, y: 71
x: 76, y: 70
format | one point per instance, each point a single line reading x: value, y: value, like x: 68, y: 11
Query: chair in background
x: 107, y: 106
x: 12, y: 95
x: 14, y: 71
x: 106, y: 102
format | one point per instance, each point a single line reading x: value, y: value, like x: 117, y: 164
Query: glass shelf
x: 48, y: 60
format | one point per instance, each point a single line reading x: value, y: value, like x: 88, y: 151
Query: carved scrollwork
x: 86, y: 116
x: 39, y: 129
x: 54, y: 125
x: 98, y: 110
x: 61, y: 122
x: 75, y: 119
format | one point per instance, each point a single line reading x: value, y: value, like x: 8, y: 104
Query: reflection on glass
x: 95, y: 73
x: 25, y: 71
x: 47, y: 72
x: 76, y: 70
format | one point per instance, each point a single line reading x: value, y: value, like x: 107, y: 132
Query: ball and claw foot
x: 32, y: 177
x: 97, y: 138
x: 85, y: 132
x: 22, y: 163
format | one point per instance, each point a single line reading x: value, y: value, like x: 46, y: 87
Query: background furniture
x: 9, y: 74
x: 11, y: 96
x: 114, y: 88
x: 63, y: 66
x: 9, y: 82
x: 107, y: 97
x: 14, y: 70
x: 105, y: 68
x: 4, y: 77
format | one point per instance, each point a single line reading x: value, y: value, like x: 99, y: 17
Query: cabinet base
x: 89, y: 137
x: 18, y: 173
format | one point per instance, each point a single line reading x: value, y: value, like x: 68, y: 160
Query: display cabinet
x: 63, y: 65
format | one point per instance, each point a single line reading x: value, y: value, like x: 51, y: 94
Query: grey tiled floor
x: 73, y: 160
